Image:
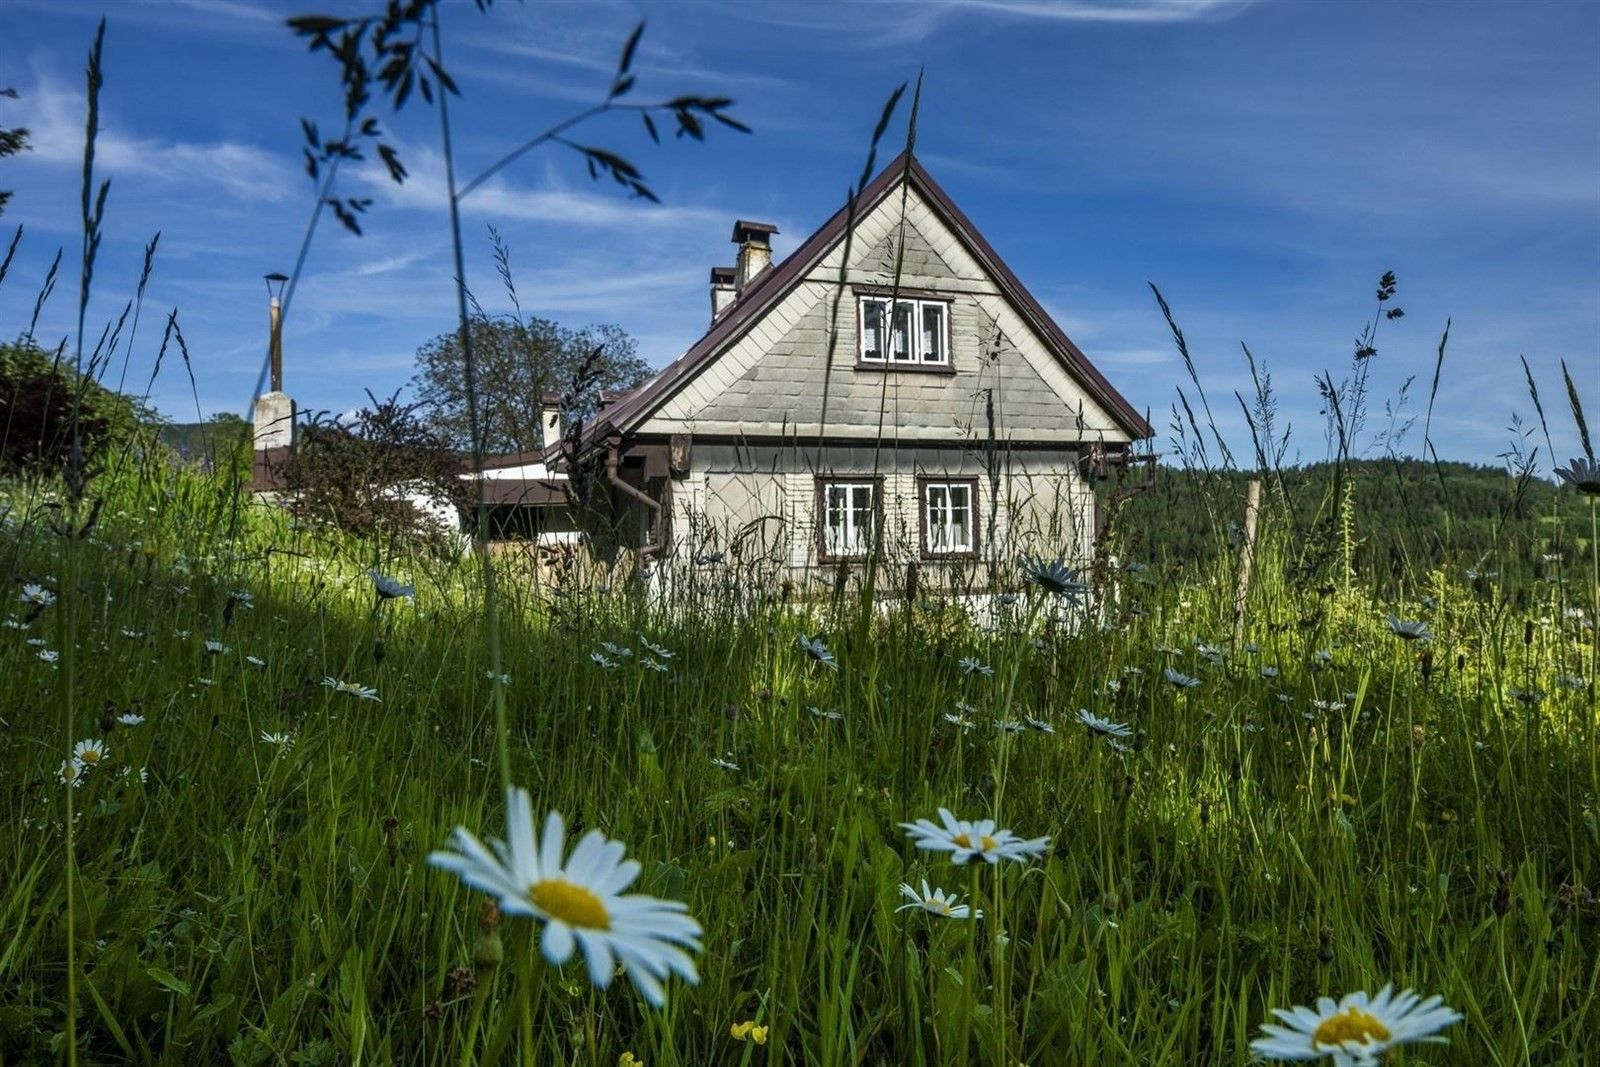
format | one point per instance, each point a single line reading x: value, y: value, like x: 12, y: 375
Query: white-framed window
x: 949, y: 518
x: 849, y: 517
x: 917, y: 333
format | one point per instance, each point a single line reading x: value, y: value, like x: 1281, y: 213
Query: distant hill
x: 204, y: 442
x: 1406, y: 514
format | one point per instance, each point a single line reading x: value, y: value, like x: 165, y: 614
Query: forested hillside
x: 1404, y: 514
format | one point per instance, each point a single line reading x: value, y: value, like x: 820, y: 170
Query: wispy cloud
x: 502, y: 198
x: 56, y: 125
x: 1140, y: 11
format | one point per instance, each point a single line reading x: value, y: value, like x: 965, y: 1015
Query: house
x: 891, y: 390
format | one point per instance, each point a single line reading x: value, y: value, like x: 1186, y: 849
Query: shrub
x: 357, y: 474
x: 42, y: 402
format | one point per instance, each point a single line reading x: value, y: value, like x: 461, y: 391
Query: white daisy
x: 972, y: 842
x: 973, y: 665
x: 619, y: 651
x: 654, y: 649
x: 817, y: 650
x: 215, y: 648
x: 1104, y: 727
x: 830, y: 714
x: 724, y: 762
x: 936, y: 902
x: 279, y: 739
x: 1053, y: 577
x: 49, y: 655
x: 579, y: 900
x: 1269, y: 672
x: 1356, y: 1030
x: 257, y: 662
x: 1179, y: 679
x: 1409, y: 631
x: 389, y: 588
x: 602, y: 660
x: 71, y: 773
x: 1039, y: 724
x: 90, y: 753
x: 1009, y: 726
x: 37, y: 595
x: 130, y: 718
x: 132, y: 634
x: 353, y: 688
x: 956, y: 719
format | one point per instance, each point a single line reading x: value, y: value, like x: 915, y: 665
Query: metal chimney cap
x: 745, y: 230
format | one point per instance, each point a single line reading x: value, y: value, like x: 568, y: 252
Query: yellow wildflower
x: 748, y: 1030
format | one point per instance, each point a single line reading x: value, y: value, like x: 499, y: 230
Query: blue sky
x: 1262, y: 162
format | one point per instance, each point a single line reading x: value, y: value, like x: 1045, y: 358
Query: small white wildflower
x: 973, y: 665
x: 818, y: 651
x: 351, y: 688
x: 1179, y: 679
x: 389, y: 588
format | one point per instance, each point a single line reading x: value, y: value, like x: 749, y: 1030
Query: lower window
x: 949, y: 518
x: 849, y: 518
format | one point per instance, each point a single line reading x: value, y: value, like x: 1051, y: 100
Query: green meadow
x: 243, y: 755
x: 241, y: 874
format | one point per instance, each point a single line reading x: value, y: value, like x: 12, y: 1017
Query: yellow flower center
x: 985, y: 843
x: 90, y: 756
x: 574, y: 905
x: 1352, y: 1024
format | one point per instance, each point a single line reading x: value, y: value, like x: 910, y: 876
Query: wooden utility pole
x: 1247, y: 558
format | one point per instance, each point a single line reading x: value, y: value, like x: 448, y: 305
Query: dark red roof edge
x: 773, y: 285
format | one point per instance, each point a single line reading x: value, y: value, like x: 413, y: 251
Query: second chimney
x: 723, y: 291
x: 755, y: 251
x: 550, y: 418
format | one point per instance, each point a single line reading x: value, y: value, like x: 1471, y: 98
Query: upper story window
x: 916, y: 333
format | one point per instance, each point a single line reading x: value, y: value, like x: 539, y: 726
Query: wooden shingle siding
x: 772, y: 378
x: 758, y: 502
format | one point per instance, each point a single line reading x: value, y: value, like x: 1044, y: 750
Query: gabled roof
x: 772, y: 285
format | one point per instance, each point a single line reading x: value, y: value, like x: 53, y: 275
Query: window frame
x: 918, y: 300
x: 826, y: 481
x: 924, y: 529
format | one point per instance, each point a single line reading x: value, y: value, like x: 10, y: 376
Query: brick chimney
x: 755, y: 251
x: 723, y: 290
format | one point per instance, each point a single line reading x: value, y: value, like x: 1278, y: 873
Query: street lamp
x: 275, y: 283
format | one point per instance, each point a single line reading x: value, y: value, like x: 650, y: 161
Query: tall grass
x: 242, y: 879
x: 262, y: 903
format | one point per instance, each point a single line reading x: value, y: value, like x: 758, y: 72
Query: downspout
x: 1125, y: 492
x: 613, y: 461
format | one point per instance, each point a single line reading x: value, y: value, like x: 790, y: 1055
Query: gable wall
x: 773, y: 380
